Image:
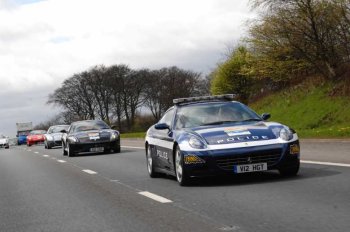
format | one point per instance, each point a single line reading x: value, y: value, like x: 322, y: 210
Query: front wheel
x: 181, y: 174
x: 289, y: 171
x: 64, y: 149
x: 70, y: 151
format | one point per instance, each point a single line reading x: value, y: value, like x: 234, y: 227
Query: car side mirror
x: 265, y: 116
x: 63, y: 131
x: 161, y: 126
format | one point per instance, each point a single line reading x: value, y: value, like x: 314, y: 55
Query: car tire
x: 70, y: 151
x: 45, y: 144
x: 117, y: 150
x: 181, y: 176
x: 64, y: 149
x: 150, y: 168
x: 7, y: 147
x: 290, y: 171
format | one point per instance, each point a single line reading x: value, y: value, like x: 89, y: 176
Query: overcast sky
x: 44, y: 42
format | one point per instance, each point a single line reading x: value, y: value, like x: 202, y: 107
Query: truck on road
x: 23, y: 129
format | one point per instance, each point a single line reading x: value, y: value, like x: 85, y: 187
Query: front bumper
x: 36, y: 141
x: 54, y: 143
x: 85, y: 147
x: 218, y: 162
x: 6, y: 145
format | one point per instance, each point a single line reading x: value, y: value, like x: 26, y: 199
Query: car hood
x: 55, y: 135
x: 233, y: 133
x: 3, y: 141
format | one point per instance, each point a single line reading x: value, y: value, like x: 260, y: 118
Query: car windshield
x: 2, y: 137
x: 38, y: 132
x: 213, y: 114
x: 90, y: 125
x: 57, y: 129
x: 23, y: 133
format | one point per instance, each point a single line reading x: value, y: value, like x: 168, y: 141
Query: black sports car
x: 205, y: 136
x: 90, y: 136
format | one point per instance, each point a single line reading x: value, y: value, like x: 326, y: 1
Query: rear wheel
x: 181, y: 175
x: 150, y: 167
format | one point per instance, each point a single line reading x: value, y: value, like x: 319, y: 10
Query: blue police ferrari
x: 205, y: 136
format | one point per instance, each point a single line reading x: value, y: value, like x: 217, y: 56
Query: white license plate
x: 250, y: 168
x: 97, y: 149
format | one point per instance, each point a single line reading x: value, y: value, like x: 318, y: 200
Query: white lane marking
x: 155, y: 197
x: 133, y: 147
x: 114, y: 180
x: 29, y: 150
x: 36, y: 152
x: 325, y: 163
x: 61, y: 161
x: 46, y: 155
x: 89, y: 171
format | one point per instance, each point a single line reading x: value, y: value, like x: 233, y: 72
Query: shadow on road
x: 257, y: 178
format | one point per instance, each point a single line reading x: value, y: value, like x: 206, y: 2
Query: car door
x: 164, y: 141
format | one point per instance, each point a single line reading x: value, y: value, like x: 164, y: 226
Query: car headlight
x: 73, y: 139
x: 114, y: 135
x: 49, y: 137
x: 286, y: 134
x: 196, y: 143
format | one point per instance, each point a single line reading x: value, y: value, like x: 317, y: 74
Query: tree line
x: 118, y: 93
x: 289, y: 40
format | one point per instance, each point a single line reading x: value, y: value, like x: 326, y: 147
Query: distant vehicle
x: 35, y: 137
x: 53, y: 137
x: 206, y: 136
x: 23, y: 129
x: 90, y: 136
x: 4, y: 142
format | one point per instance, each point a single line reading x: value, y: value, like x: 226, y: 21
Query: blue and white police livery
x: 205, y: 136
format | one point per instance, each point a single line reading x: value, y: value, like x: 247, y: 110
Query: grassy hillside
x: 309, y: 110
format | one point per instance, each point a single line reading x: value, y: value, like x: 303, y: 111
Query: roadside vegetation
x: 294, y: 63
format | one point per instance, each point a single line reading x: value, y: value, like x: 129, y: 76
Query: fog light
x: 193, y: 159
x: 294, y: 149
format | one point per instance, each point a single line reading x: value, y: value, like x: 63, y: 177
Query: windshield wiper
x: 217, y: 123
x: 252, y: 120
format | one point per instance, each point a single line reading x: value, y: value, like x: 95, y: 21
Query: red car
x: 35, y: 137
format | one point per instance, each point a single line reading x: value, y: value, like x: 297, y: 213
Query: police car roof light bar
x: 228, y: 97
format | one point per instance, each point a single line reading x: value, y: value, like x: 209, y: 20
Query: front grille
x: 88, y: 140
x: 227, y: 162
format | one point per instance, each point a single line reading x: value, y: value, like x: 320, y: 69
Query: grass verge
x: 133, y: 135
x: 310, y: 110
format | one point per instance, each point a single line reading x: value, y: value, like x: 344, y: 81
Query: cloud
x: 44, y: 42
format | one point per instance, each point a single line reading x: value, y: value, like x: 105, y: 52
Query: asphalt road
x: 41, y: 190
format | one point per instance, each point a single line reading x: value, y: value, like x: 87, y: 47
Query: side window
x: 168, y: 117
